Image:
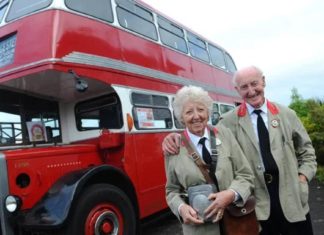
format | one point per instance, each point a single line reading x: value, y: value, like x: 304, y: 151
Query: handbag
x: 241, y: 220
x: 236, y: 220
x: 198, y: 199
x: 241, y: 211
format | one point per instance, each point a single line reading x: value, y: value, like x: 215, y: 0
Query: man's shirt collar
x: 263, y: 108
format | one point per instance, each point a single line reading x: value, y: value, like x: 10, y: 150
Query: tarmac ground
x: 167, y: 223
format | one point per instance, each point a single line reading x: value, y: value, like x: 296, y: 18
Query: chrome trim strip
x: 100, y: 61
x: 25, y: 66
x: 4, y: 191
x: 88, y: 59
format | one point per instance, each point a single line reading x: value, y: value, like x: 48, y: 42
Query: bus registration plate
x: 7, y: 50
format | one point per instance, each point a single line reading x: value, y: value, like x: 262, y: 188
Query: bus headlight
x: 12, y: 203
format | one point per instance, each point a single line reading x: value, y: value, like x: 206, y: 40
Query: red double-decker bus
x: 85, y: 101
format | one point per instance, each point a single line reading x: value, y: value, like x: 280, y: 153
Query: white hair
x: 193, y: 94
x: 243, y: 71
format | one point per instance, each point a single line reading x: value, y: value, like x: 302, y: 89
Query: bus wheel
x: 102, y: 209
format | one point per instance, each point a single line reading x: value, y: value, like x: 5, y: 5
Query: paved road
x: 316, y: 201
x: 169, y: 224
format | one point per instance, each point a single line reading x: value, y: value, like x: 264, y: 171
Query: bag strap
x: 213, y: 146
x: 214, y: 156
x: 197, y: 159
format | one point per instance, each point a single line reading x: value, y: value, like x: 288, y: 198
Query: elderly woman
x: 192, y: 107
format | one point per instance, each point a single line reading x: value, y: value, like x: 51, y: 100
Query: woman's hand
x: 220, y: 201
x: 189, y: 215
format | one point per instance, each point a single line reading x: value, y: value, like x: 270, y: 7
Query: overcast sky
x: 285, y: 38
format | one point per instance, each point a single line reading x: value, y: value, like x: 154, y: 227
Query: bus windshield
x: 16, y: 110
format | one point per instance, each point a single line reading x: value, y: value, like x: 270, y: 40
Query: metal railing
x: 10, y: 133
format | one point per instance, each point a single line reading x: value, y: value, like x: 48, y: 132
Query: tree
x: 317, y: 135
x: 298, y: 104
x: 311, y: 113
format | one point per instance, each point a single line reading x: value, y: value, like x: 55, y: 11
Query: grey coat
x: 233, y: 172
x: 292, y: 150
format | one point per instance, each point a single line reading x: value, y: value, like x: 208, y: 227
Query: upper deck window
x: 103, y: 112
x: 217, y: 56
x: 197, y: 47
x: 23, y: 7
x: 230, y: 63
x: 7, y: 49
x: 172, y: 35
x: 135, y: 18
x: 3, y: 8
x: 100, y: 9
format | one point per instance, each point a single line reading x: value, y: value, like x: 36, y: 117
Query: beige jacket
x: 292, y: 150
x: 233, y: 172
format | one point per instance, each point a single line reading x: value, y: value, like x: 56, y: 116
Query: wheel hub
x: 107, y: 223
x: 103, y: 221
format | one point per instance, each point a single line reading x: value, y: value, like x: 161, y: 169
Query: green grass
x: 320, y: 173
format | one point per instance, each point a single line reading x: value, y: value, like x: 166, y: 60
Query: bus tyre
x: 102, y: 209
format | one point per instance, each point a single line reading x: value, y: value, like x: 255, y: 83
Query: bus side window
x: 215, y: 115
x: 136, y: 19
x: 217, y: 56
x: 3, y: 8
x: 109, y: 117
x: 98, y: 113
x: 172, y: 35
x: 96, y: 8
x: 197, y: 47
x: 177, y: 122
x: 24, y: 7
x: 225, y: 108
x: 49, y: 133
x: 151, y: 111
x: 230, y: 63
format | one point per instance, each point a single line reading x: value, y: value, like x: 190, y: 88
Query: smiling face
x: 250, y: 85
x: 195, y: 117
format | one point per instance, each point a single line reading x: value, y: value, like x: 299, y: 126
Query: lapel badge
x: 218, y: 141
x: 275, y: 123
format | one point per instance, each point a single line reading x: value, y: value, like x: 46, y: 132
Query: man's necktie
x: 264, y: 143
x: 205, y: 153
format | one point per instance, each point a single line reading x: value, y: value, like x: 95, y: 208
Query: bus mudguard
x: 53, y: 209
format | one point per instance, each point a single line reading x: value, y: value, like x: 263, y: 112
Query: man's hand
x: 303, y: 178
x: 171, y: 144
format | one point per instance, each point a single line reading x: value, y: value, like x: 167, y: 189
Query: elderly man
x: 279, y: 151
